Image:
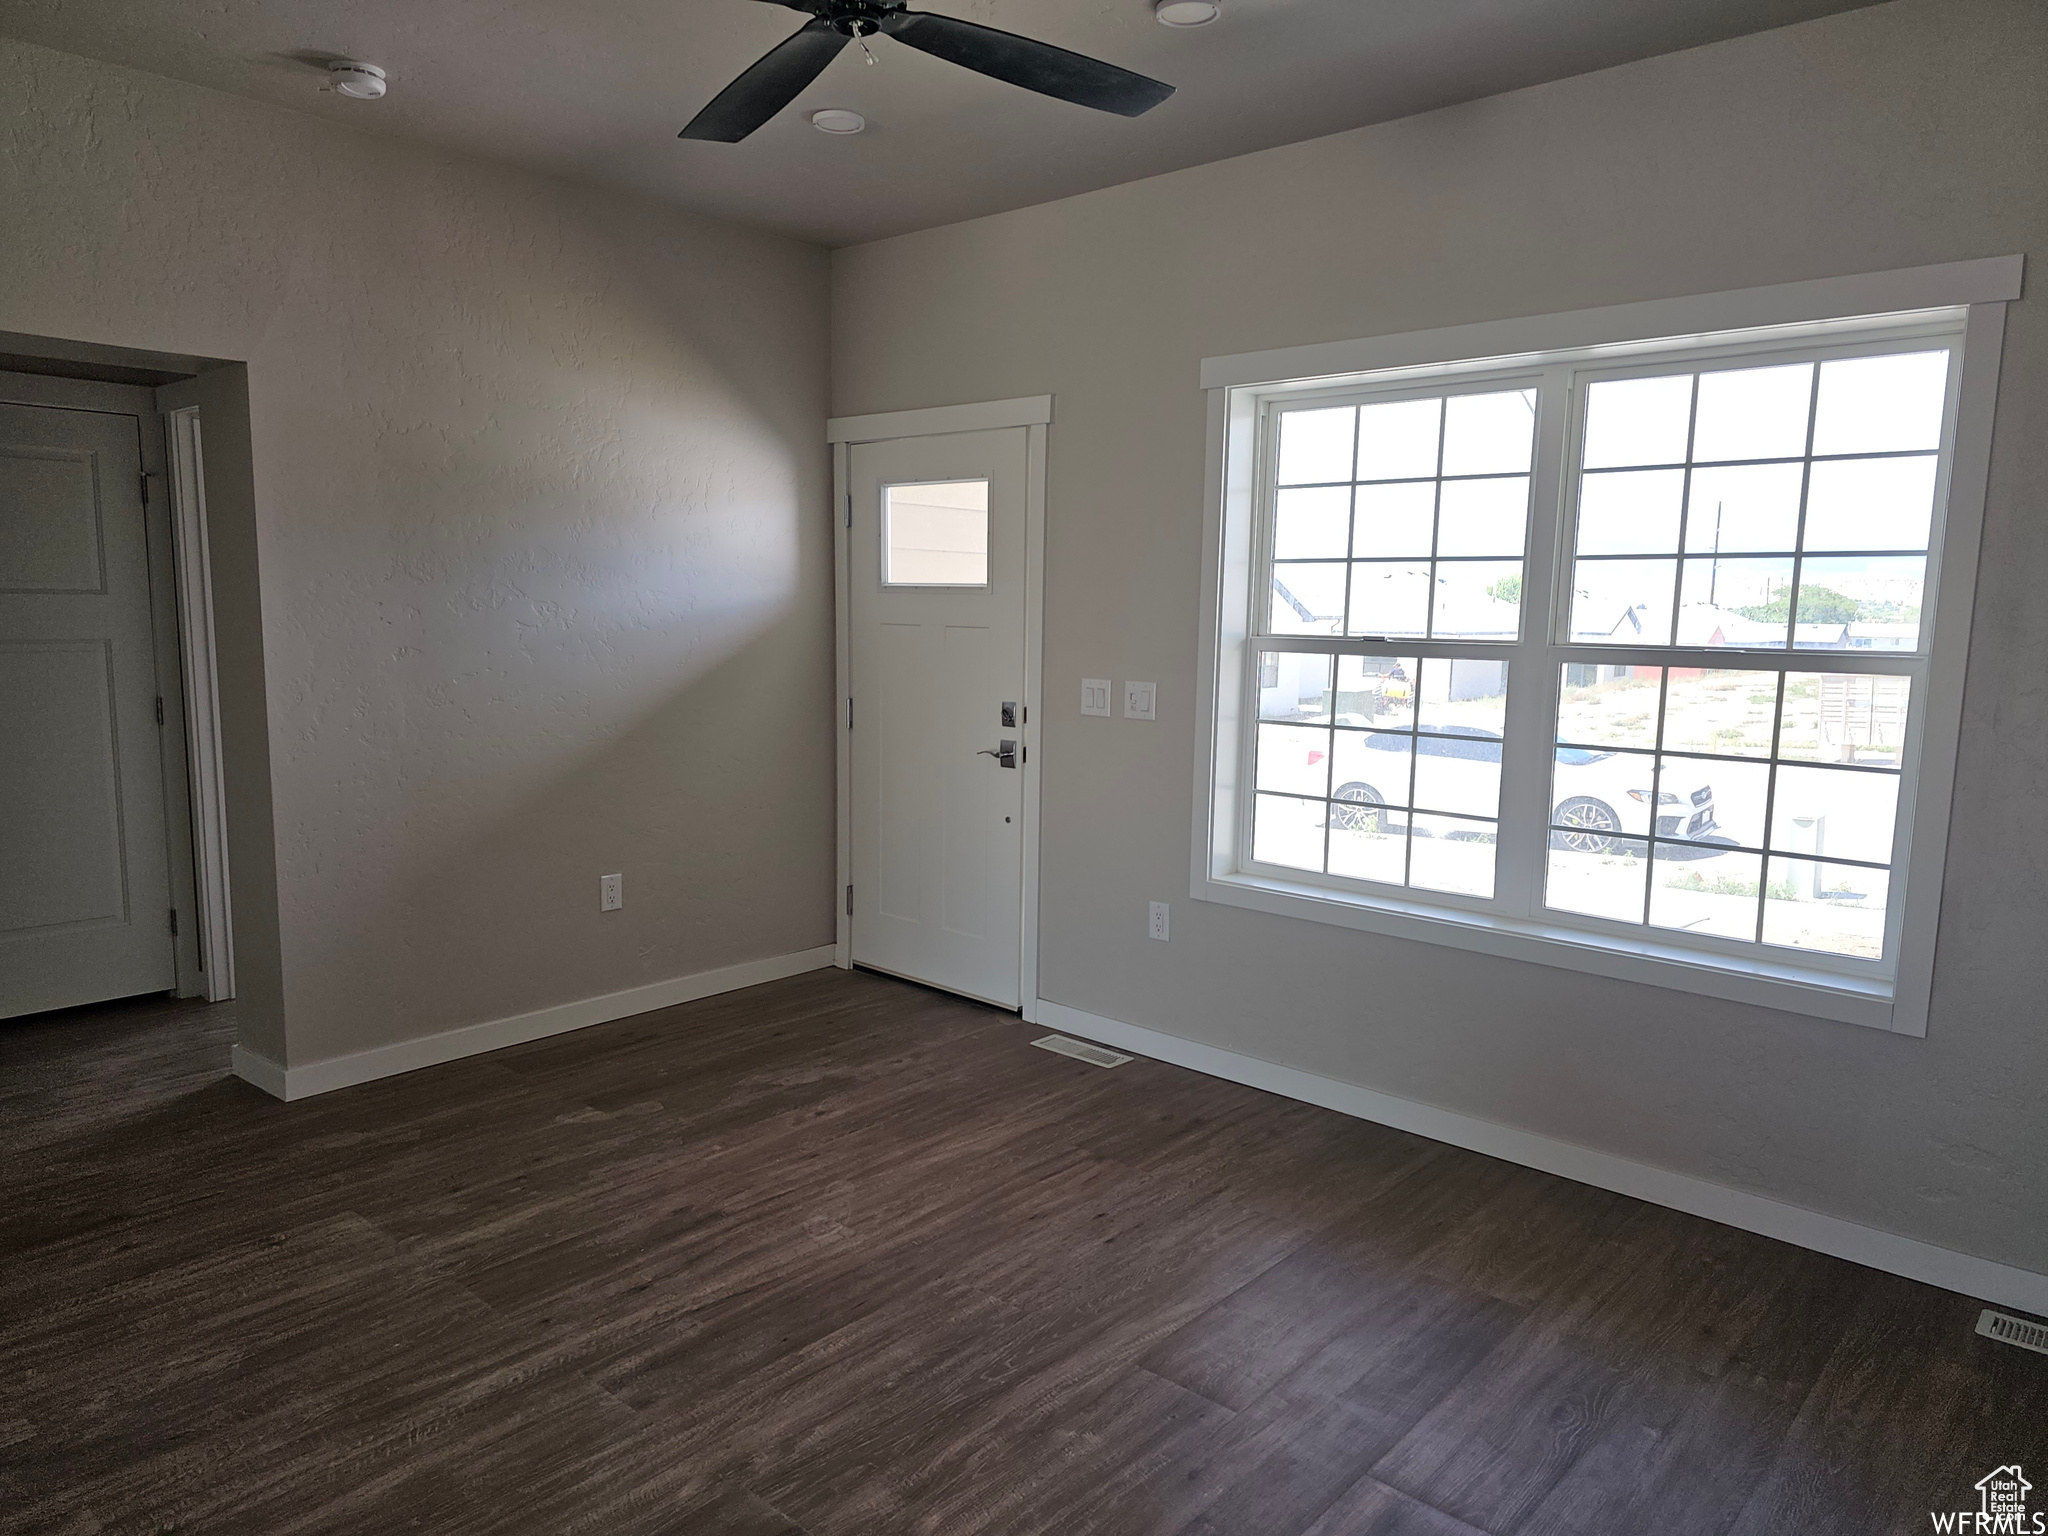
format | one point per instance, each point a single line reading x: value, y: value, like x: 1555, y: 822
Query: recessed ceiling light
x: 1186, y: 13
x: 364, y: 82
x: 837, y: 120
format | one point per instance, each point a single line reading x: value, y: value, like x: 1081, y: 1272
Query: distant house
x: 1705, y: 624
x: 1884, y: 637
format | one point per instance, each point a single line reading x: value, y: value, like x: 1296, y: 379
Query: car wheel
x: 1592, y: 825
x: 1349, y: 813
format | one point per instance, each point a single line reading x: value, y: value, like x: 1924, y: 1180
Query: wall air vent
x: 1081, y: 1050
x: 2007, y: 1329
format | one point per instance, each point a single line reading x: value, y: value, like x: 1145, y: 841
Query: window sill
x: 1763, y: 982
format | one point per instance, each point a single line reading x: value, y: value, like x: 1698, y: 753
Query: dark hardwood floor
x: 840, y: 1255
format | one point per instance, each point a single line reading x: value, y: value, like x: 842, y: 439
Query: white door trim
x: 1034, y: 413
x: 194, y: 588
x: 1024, y: 411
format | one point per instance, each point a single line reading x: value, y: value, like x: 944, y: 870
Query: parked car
x: 1592, y: 789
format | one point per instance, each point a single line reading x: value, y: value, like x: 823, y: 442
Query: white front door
x: 84, y: 869
x: 936, y: 633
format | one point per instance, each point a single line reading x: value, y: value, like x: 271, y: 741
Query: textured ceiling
x: 597, y: 90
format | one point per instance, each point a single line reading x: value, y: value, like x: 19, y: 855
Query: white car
x: 1601, y: 796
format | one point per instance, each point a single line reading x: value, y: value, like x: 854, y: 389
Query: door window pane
x: 935, y: 535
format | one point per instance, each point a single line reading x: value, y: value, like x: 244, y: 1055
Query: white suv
x: 1600, y: 796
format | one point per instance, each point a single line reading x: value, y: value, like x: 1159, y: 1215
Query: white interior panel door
x: 936, y: 630
x: 84, y: 872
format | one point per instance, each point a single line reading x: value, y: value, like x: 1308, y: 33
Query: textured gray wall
x: 540, y: 496
x: 1909, y: 133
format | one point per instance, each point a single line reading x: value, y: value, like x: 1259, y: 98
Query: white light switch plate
x: 1138, y: 700
x: 611, y: 892
x: 1095, y: 696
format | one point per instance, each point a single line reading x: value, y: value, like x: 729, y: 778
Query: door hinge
x: 849, y: 509
x: 144, y: 478
x: 849, y: 711
x: 159, y: 709
x: 174, y: 922
x: 849, y: 901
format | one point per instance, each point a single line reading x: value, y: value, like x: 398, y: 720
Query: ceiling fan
x: 778, y: 76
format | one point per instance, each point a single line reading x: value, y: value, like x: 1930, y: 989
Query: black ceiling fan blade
x: 1024, y: 61
x: 772, y: 83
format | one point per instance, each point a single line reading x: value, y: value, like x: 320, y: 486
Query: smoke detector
x: 1186, y: 13
x: 837, y: 120
x: 361, y: 82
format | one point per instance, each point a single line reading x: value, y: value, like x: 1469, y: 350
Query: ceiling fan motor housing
x: 855, y: 18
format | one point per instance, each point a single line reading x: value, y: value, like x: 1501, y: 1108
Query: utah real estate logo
x: 2003, y: 1509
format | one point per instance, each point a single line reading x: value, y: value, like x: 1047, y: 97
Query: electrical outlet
x: 611, y: 892
x: 1158, y: 929
x: 1138, y: 700
x: 1095, y: 696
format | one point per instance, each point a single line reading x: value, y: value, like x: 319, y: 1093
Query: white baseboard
x: 260, y: 1070
x: 334, y: 1072
x: 1944, y: 1267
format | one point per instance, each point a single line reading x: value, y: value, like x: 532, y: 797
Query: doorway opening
x: 114, y: 877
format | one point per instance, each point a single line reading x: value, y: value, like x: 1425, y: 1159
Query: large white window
x: 1636, y: 656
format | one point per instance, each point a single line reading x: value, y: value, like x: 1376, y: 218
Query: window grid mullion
x: 1692, y: 433
x: 1526, y: 752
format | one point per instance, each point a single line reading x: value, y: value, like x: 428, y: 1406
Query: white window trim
x: 1973, y: 294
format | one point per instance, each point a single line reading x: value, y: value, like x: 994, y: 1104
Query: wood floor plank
x: 840, y: 1256
x: 1371, y: 1508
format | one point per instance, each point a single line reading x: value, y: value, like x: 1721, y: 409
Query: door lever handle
x: 1004, y: 752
